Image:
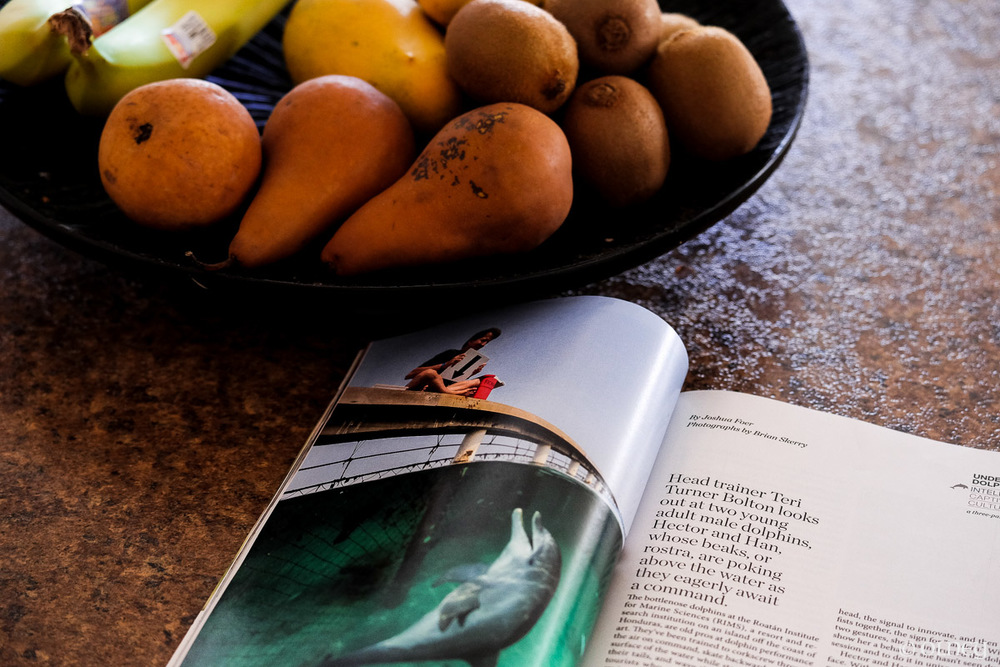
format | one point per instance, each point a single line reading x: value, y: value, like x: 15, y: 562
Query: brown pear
x: 179, y: 154
x: 331, y: 144
x: 495, y: 180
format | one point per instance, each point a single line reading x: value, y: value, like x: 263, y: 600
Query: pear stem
x: 211, y: 266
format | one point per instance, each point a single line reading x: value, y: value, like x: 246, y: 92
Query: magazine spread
x: 528, y: 486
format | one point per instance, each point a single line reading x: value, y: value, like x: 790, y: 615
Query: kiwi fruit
x: 618, y: 139
x: 511, y: 51
x: 714, y: 96
x: 671, y: 22
x: 611, y: 37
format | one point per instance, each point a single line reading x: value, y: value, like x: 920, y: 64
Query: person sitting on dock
x: 432, y: 376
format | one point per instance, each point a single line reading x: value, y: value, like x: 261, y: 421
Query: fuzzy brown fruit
x: 713, y: 93
x: 619, y: 139
x: 495, y: 180
x: 612, y: 37
x: 671, y: 22
x: 511, y: 51
x: 178, y: 154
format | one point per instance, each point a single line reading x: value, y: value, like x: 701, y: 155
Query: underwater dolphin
x: 492, y: 608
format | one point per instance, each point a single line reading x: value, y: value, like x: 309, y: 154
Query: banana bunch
x: 38, y: 35
x: 166, y: 39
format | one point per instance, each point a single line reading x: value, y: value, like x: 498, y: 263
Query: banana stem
x: 75, y: 27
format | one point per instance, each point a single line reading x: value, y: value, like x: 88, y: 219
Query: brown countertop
x: 143, y: 427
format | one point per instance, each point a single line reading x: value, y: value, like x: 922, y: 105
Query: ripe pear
x: 495, y: 180
x: 179, y: 154
x: 330, y: 144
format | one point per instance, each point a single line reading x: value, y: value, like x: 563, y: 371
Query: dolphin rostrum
x: 491, y: 609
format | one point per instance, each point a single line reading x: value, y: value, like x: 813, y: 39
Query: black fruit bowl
x: 49, y: 179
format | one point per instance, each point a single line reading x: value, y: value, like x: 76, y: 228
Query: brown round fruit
x: 713, y: 94
x: 613, y: 37
x: 671, y: 22
x: 179, y: 153
x: 511, y: 51
x: 618, y: 139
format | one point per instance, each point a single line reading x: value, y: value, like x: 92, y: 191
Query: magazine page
x: 776, y: 535
x: 466, y: 498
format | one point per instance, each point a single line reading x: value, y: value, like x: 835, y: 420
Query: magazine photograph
x: 499, y: 333
x: 467, y: 507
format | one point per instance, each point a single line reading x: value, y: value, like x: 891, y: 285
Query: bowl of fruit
x: 386, y: 152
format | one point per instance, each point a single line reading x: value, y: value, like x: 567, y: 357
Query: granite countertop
x: 145, y: 426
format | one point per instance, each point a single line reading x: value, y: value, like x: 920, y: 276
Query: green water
x: 342, y: 569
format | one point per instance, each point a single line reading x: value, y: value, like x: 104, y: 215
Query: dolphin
x: 491, y: 609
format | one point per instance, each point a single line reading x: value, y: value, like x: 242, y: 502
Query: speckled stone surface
x: 143, y: 428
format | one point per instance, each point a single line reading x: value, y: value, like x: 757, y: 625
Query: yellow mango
x: 391, y: 44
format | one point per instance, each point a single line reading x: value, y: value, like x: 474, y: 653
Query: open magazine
x: 530, y: 486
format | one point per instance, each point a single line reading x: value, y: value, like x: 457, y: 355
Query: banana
x: 167, y: 39
x: 37, y: 35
